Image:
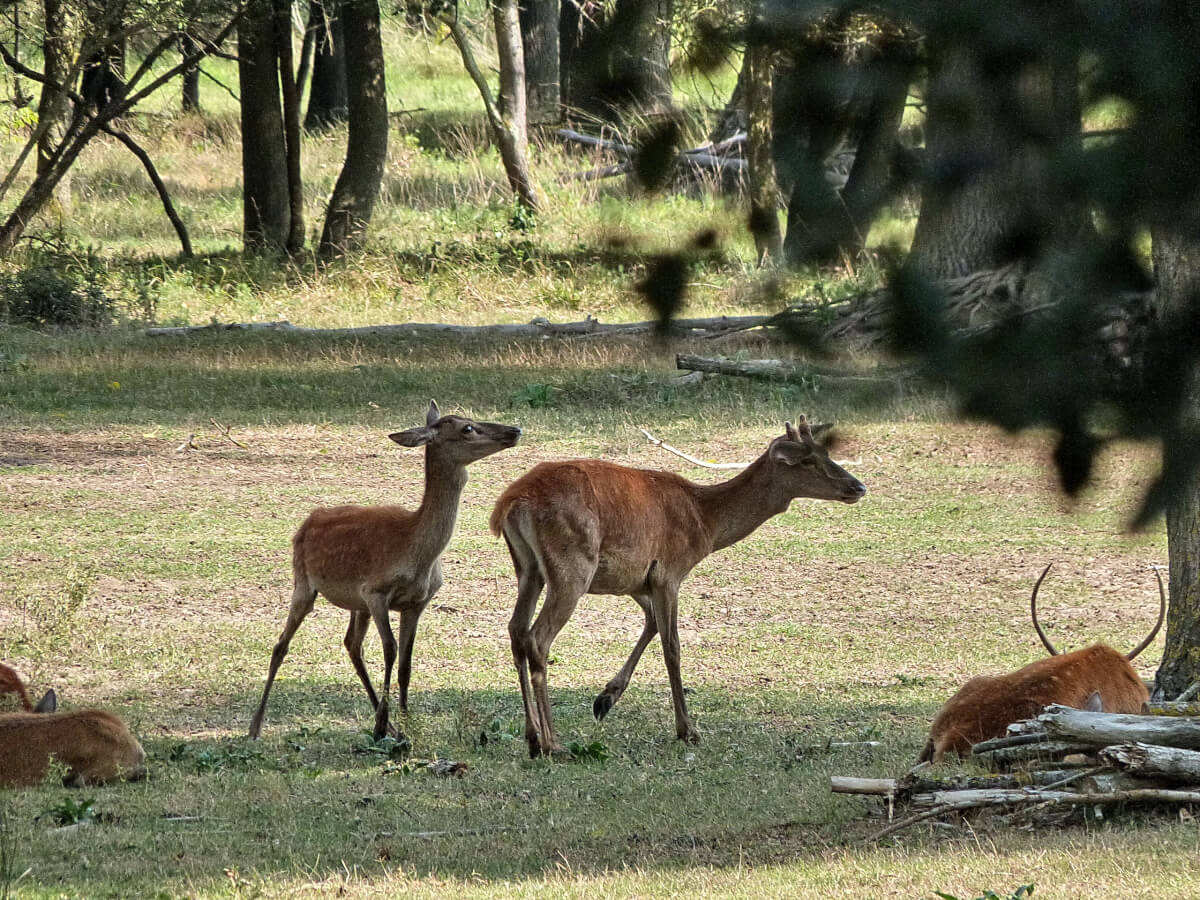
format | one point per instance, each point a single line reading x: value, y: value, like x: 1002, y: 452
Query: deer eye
x: 468, y: 429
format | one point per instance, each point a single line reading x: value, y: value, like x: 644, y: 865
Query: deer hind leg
x: 666, y: 612
x: 378, y: 605
x: 303, y: 597
x: 529, y: 588
x: 564, y: 586
x: 614, y: 689
x: 355, y: 633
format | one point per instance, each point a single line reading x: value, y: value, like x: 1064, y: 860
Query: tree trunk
x: 291, y: 123
x: 53, y: 109
x: 357, y: 187
x: 971, y: 212
x: 266, y: 196
x: 763, y: 188
x: 1177, y: 273
x: 191, y: 76
x: 539, y: 38
x: 508, y: 130
x: 871, y: 182
x: 329, y: 96
x: 622, y: 64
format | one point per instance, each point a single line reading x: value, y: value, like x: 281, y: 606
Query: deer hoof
x: 691, y: 736
x: 381, y: 722
x: 602, y: 705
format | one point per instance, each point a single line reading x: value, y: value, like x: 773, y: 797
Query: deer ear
x: 818, y: 430
x: 413, y: 437
x: 431, y: 418
x: 48, y: 703
x: 790, y: 453
x: 1094, y: 702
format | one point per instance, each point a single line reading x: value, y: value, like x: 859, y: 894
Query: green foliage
x: 535, y: 396
x: 1021, y: 893
x: 226, y: 756
x: 398, y: 747
x: 70, y: 811
x: 46, y: 298
x: 589, y: 752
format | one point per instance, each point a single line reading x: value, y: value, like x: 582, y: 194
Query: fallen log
x: 882, y: 787
x: 1104, y: 729
x: 539, y: 327
x: 970, y: 799
x: 1041, y: 750
x: 1154, y: 760
x: 780, y: 370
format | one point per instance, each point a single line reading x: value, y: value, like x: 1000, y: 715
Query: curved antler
x: 1162, y: 612
x: 1033, y: 612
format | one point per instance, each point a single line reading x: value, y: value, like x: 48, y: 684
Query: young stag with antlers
x: 94, y: 745
x: 369, y: 560
x: 587, y: 526
x: 1096, y: 678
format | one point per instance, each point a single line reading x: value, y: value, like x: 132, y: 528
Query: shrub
x: 45, y: 298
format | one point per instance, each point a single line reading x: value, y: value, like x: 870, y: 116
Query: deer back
x: 93, y: 744
x: 629, y: 517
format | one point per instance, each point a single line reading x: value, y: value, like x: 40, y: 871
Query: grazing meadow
x: 150, y: 485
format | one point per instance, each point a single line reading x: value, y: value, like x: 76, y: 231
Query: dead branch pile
x: 722, y: 161
x: 1053, y: 768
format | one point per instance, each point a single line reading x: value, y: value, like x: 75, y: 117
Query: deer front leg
x: 409, y: 616
x: 614, y: 689
x: 666, y: 613
x: 378, y: 605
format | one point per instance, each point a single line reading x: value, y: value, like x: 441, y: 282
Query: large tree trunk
x: 1177, y: 273
x: 357, y: 187
x: 53, y: 108
x: 329, y: 97
x: 871, y: 182
x: 755, y: 79
x: 266, y: 193
x: 986, y: 167
x: 622, y: 64
x: 191, y: 76
x: 539, y: 38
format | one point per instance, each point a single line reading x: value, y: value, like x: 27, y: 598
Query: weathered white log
x: 1002, y: 797
x: 539, y: 327
x: 1012, y: 740
x: 1154, y: 759
x: 1111, y: 782
x: 1103, y: 729
x: 1041, y: 750
x: 844, y: 784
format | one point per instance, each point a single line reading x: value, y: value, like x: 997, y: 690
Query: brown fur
x: 1096, y: 677
x: 371, y: 560
x: 94, y: 745
x: 588, y: 526
x: 11, y: 683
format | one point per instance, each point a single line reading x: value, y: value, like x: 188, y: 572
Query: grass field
x: 151, y: 577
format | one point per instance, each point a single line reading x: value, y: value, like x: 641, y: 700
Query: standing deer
x: 1096, y: 678
x: 11, y: 683
x: 369, y: 560
x: 94, y: 745
x: 587, y: 526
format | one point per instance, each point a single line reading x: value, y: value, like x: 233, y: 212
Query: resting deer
x: 587, y: 526
x: 369, y: 560
x: 1096, y: 678
x: 94, y: 745
x: 11, y: 683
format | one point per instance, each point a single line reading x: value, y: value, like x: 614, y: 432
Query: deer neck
x: 438, y: 512
x: 733, y: 509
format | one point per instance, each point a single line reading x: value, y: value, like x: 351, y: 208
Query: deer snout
x: 854, y: 491
x: 511, y: 435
